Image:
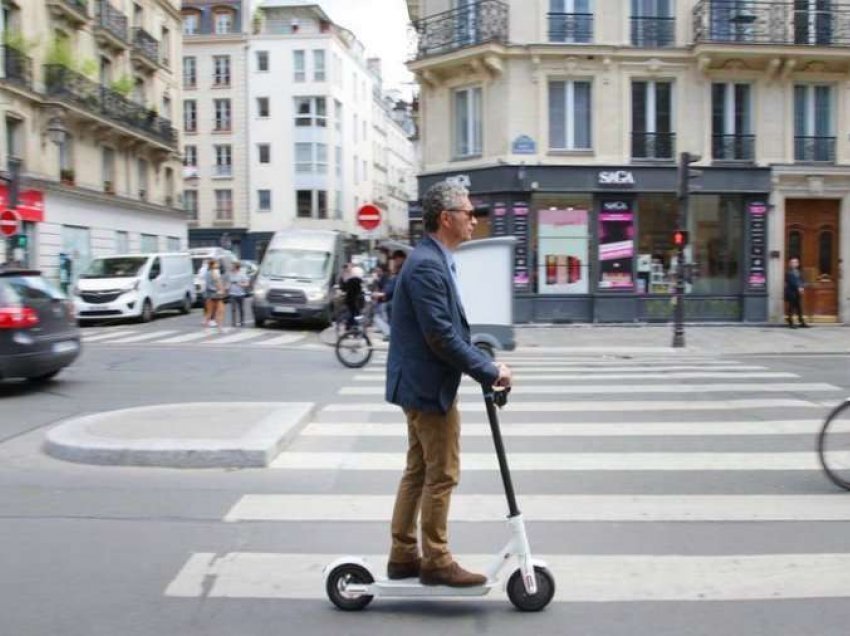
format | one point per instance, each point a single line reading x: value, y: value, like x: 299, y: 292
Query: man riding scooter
x: 429, y: 350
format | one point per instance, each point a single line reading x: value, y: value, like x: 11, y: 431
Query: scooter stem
x: 493, y: 417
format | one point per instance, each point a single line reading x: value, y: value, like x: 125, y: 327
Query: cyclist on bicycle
x: 352, y: 286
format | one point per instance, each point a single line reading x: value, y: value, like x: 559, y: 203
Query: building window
x: 338, y: 161
x: 571, y: 21
x: 122, y: 242
x: 355, y: 127
x: 304, y: 204
x: 224, y: 22
x: 813, y: 22
x: 166, y: 107
x: 165, y: 47
x: 731, y: 125
x: 223, y: 205
x: 311, y: 158
x: 338, y: 114
x: 311, y: 204
x: 652, y: 120
x: 66, y: 159
x: 814, y: 132
x: 319, y: 65
x: 222, y: 114
x: 172, y: 243
x: 262, y: 61
x: 107, y: 169
x: 150, y: 245
x: 221, y: 70
x: 190, y: 161
x: 338, y: 205
x: 143, y: 170
x: 467, y: 122
x: 223, y: 160
x: 264, y: 200
x: 190, y: 72
x: 569, y: 116
x: 300, y: 66
x: 190, y: 115
x: 191, y: 21
x: 310, y: 111
x: 190, y: 204
x: 265, y: 153
x: 653, y: 24
x: 262, y: 106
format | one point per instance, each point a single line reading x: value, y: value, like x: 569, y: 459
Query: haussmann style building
x: 566, y: 118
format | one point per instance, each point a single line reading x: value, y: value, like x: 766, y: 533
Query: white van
x: 134, y: 286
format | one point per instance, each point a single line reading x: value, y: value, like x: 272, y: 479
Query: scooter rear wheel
x: 340, y: 578
x: 525, y: 602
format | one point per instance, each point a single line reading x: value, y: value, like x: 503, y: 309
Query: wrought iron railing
x: 146, y: 44
x: 772, y: 22
x: 575, y: 28
x: 477, y: 23
x: 653, y: 145
x: 111, y: 19
x: 814, y: 149
x: 81, y: 6
x: 67, y: 85
x: 733, y: 147
x: 653, y: 32
x: 17, y: 67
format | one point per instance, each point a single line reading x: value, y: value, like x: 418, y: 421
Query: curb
x: 73, y: 440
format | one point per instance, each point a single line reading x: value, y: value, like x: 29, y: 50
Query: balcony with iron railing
x: 145, y: 49
x: 776, y: 22
x: 17, y: 67
x: 814, y: 149
x: 98, y: 101
x: 653, y: 32
x: 75, y: 12
x: 477, y: 23
x: 653, y: 146
x: 111, y: 26
x: 571, y: 28
x: 733, y: 147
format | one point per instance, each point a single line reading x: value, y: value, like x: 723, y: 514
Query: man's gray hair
x: 443, y: 195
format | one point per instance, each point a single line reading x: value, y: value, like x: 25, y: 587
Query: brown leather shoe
x: 403, y: 570
x: 452, y: 575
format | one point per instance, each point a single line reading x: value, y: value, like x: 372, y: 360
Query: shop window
x: 825, y: 243
x: 562, y: 240
x: 616, y: 245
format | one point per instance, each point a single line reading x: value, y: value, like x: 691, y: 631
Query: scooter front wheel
x: 526, y: 602
x: 340, y: 579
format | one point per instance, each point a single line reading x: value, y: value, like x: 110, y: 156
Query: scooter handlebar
x: 498, y: 394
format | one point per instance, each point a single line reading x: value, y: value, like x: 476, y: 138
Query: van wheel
x: 147, y: 311
x: 186, y: 307
x: 260, y: 322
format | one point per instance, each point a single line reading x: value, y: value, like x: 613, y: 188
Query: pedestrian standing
x: 794, y: 287
x: 378, y: 293
x: 430, y: 349
x: 216, y: 292
x: 238, y: 290
x: 397, y: 262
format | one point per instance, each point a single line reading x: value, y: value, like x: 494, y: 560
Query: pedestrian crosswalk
x: 200, y: 337
x: 702, y: 456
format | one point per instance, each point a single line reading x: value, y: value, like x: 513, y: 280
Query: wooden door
x: 811, y: 234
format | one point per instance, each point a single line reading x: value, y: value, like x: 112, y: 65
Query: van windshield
x: 294, y: 263
x: 119, y: 267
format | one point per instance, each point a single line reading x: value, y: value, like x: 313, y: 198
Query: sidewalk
x: 714, y: 339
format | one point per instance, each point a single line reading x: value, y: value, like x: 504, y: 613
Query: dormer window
x: 191, y: 22
x: 224, y: 20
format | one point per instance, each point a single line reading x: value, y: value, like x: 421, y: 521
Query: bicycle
x: 834, y: 445
x: 354, y: 347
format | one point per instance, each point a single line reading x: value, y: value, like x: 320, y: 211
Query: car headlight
x: 316, y: 295
x: 261, y: 288
x: 132, y: 286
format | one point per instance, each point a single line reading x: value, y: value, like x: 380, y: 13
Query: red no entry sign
x: 368, y: 216
x: 10, y: 223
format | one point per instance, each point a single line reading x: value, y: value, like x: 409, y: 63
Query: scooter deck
x: 406, y: 588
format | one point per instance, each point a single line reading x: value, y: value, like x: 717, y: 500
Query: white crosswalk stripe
x: 668, y: 419
x: 200, y: 337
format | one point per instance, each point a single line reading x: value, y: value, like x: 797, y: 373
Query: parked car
x: 134, y: 286
x: 38, y: 333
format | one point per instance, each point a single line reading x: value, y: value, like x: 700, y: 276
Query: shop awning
x: 30, y: 203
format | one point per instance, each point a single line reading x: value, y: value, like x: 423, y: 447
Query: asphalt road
x: 92, y: 551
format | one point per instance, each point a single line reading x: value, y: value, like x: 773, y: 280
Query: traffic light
x: 21, y: 241
x: 680, y: 238
x: 686, y: 173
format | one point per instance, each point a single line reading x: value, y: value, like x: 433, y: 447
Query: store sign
x: 757, y: 221
x: 522, y: 273
x: 616, y: 245
x: 30, y: 204
x: 524, y: 145
x: 616, y: 177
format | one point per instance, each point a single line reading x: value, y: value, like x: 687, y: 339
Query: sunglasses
x: 469, y: 213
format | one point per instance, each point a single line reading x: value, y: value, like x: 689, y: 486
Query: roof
x: 295, y: 4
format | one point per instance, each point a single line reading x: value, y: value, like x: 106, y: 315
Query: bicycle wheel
x: 834, y: 445
x: 354, y: 349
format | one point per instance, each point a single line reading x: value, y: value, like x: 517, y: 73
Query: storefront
x: 595, y: 244
x: 19, y: 249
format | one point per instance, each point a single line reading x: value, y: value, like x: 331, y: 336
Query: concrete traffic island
x: 190, y: 435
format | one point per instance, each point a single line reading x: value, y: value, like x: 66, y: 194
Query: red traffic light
x: 680, y: 238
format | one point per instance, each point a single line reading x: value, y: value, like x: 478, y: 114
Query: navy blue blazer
x: 430, y: 346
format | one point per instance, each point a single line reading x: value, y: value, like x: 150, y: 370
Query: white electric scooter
x: 351, y: 582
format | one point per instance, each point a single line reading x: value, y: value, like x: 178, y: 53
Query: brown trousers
x: 432, y: 472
